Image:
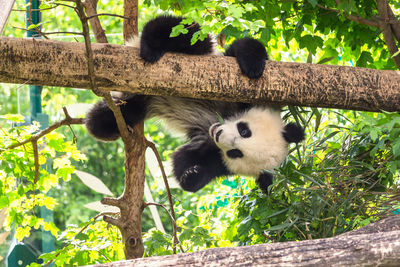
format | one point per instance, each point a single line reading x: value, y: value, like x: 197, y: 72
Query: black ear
x: 293, y: 133
x: 264, y: 180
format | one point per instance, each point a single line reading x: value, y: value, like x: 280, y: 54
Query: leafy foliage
x: 20, y: 191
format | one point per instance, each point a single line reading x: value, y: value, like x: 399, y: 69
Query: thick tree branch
x: 120, y: 68
x: 364, y: 248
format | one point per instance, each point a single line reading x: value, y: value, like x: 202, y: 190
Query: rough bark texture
x: 131, y: 202
x: 131, y: 24
x: 120, y: 68
x: 366, y: 249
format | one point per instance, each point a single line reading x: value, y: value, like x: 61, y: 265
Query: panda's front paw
x: 252, y: 68
x: 191, y: 179
x: 190, y: 172
x: 150, y: 55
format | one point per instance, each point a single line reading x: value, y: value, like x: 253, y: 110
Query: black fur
x: 196, y: 164
x: 156, y: 40
x: 234, y: 153
x: 250, y: 55
x: 293, y: 133
x: 100, y: 120
x: 264, y: 180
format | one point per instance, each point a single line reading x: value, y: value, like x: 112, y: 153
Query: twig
x: 357, y: 18
x: 49, y: 33
x: 80, y: 231
x: 36, y: 159
x: 99, y: 32
x: 171, y: 204
x: 43, y: 9
x: 160, y: 163
x: 67, y: 121
x: 174, y: 226
x: 106, y: 95
x: 108, y: 14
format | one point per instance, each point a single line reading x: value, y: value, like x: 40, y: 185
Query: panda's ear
x: 293, y: 133
x: 264, y: 180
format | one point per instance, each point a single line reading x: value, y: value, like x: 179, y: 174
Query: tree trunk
x: 366, y: 248
x: 120, y: 68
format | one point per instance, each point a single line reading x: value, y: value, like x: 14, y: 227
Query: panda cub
x: 250, y: 139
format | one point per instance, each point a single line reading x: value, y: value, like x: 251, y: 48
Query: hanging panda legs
x: 196, y: 164
x: 100, y: 120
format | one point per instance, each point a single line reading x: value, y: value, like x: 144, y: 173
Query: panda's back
x: 187, y: 115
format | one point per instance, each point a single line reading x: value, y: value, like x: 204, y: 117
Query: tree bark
x: 365, y: 249
x: 120, y: 68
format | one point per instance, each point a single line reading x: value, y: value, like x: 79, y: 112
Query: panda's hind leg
x: 156, y: 40
x: 100, y: 120
x: 196, y: 165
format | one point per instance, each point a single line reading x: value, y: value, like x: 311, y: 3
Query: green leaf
x: 313, y: 2
x: 177, y: 30
x: 4, y: 201
x: 280, y: 227
x: 311, y: 42
x: 364, y: 59
x: 235, y: 11
x: 13, y: 117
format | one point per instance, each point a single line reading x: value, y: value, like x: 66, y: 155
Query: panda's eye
x: 244, y: 130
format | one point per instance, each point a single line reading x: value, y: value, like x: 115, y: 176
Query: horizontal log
x: 373, y: 249
x: 55, y: 63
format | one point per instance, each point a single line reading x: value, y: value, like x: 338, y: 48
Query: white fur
x: 133, y: 41
x: 266, y: 149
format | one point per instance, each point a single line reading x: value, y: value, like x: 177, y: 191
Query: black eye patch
x: 244, y: 130
x: 234, y: 153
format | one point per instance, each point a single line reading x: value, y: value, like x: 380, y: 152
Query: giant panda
x: 223, y: 138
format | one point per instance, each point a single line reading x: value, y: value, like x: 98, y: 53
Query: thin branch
x: 44, y: 9
x: 80, y: 231
x: 171, y: 204
x: 36, y: 159
x: 67, y: 121
x: 356, y: 18
x: 50, y: 33
x: 116, y: 222
x: 174, y: 226
x: 90, y: 62
x: 99, y: 32
x: 111, y: 201
x: 108, y: 14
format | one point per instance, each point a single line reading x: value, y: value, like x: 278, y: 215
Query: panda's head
x: 253, y: 141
